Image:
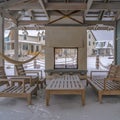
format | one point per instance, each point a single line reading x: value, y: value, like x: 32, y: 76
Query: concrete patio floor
x: 61, y: 107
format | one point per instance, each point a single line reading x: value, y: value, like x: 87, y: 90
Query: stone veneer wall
x: 66, y: 37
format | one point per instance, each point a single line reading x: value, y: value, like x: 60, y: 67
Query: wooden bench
x: 65, y: 85
x: 107, y: 86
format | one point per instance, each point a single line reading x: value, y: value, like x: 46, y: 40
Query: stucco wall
x: 66, y: 37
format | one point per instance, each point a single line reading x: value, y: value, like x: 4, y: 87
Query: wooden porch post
x: 1, y: 38
x: 16, y: 48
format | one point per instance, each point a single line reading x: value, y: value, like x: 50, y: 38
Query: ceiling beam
x: 43, y: 28
x: 100, y: 28
x: 11, y: 3
x: 110, y: 23
x: 86, y: 23
x: 43, y: 7
x: 106, y: 6
x: 66, y: 6
x: 51, y: 6
x: 27, y: 22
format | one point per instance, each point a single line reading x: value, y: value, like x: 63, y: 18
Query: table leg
x: 83, y: 97
x: 47, y: 98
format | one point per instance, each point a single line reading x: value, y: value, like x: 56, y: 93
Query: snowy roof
x: 30, y: 32
x: 6, y: 33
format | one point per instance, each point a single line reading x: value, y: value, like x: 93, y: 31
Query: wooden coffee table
x: 65, y: 85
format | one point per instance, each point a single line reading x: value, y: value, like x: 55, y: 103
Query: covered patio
x: 65, y: 23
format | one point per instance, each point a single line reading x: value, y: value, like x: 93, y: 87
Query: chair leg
x: 29, y: 99
x: 41, y: 85
x: 100, y: 97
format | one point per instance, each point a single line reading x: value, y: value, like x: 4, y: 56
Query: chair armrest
x: 113, y: 79
x: 38, y: 72
x: 4, y: 80
x: 18, y: 80
x: 21, y: 77
x: 91, y: 73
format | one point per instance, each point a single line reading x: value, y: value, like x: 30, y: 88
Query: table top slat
x: 66, y: 82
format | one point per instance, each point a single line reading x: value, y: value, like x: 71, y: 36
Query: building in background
x: 91, y: 43
x: 105, y: 48
x: 30, y: 42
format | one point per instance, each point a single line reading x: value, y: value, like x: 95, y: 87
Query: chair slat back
x: 3, y: 76
x: 2, y: 72
x: 117, y: 75
x: 112, y: 71
x: 20, y: 70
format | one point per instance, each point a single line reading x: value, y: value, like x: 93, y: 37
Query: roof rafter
x: 89, y: 4
x: 102, y: 12
x: 43, y: 7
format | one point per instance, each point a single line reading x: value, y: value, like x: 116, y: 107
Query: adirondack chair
x: 10, y: 88
x: 110, y: 85
x: 34, y: 78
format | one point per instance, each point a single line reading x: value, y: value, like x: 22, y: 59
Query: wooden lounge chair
x: 107, y: 86
x: 34, y: 78
x: 10, y: 88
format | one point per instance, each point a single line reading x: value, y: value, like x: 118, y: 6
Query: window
x: 89, y: 43
x: 37, y: 48
x: 25, y: 47
x: 25, y: 37
x: 66, y: 58
x: 89, y: 36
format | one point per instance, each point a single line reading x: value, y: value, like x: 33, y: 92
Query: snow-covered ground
x: 91, y: 65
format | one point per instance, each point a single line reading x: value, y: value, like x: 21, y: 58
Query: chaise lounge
x: 10, y: 87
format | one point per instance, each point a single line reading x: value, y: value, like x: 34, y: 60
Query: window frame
x: 66, y: 48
